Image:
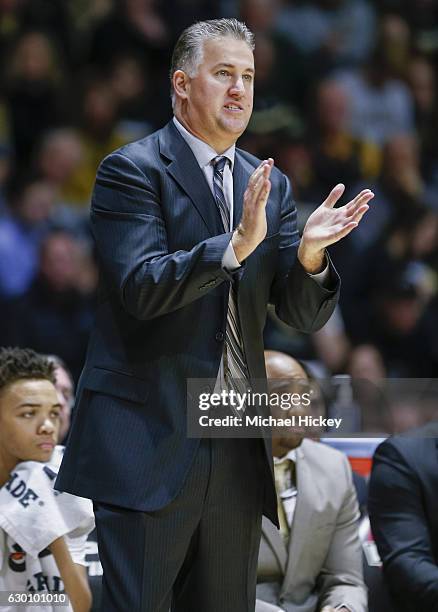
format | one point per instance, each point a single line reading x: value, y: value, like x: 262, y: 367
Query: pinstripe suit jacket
x: 162, y: 314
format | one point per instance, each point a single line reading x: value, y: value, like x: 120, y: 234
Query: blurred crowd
x: 346, y: 92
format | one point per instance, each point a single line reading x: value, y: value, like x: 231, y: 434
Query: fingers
x: 334, y: 195
x: 359, y: 213
x: 259, y: 180
x: 264, y: 168
x: 362, y: 198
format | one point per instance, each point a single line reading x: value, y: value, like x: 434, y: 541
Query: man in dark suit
x: 194, y: 238
x: 403, y: 508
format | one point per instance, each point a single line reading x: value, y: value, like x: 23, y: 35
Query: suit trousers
x: 200, y: 552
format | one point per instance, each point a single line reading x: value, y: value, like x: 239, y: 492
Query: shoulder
x: 331, y: 462
x: 410, y: 447
x: 139, y: 153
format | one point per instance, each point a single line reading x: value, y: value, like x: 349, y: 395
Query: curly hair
x: 18, y: 364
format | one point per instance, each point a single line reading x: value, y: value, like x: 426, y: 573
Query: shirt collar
x: 291, y: 455
x: 203, y: 152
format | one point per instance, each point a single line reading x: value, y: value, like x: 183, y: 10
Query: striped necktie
x: 235, y: 370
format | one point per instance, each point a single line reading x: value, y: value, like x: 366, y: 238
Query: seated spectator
x: 97, y: 136
x: 22, y: 228
x: 275, y: 55
x: 32, y: 92
x: 336, y: 152
x: 58, y: 157
x: 42, y: 543
x: 421, y: 75
x: 64, y: 385
x: 314, y: 563
x: 337, y: 32
x: 132, y: 26
x: 381, y: 103
x: 54, y: 314
x: 403, y: 501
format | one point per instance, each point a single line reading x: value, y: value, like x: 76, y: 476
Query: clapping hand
x: 327, y: 225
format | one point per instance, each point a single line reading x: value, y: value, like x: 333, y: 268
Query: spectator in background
x: 334, y: 150
x: 97, y: 135
x: 401, y: 323
x: 59, y: 159
x: 42, y: 543
x: 138, y: 115
x: 22, y: 228
x: 422, y: 81
x: 64, y: 385
x: 368, y: 380
x: 381, y: 104
x: 33, y: 78
x: 403, y: 501
x: 54, y: 315
x: 314, y: 562
x: 333, y: 32
x: 275, y: 57
x: 400, y: 189
x: 135, y: 27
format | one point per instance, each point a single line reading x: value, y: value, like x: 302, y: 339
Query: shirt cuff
x: 230, y: 262
x: 322, y: 278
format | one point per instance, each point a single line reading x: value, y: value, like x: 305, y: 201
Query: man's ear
x: 181, y: 84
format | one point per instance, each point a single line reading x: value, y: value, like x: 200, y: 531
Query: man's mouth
x: 233, y: 107
x: 49, y: 445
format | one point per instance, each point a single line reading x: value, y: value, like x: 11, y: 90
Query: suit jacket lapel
x: 300, y: 531
x: 275, y: 541
x: 184, y: 168
x: 241, y: 173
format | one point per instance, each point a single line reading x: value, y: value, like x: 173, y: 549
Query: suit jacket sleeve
x: 341, y: 579
x: 300, y: 300
x: 130, y: 234
x: 400, y: 529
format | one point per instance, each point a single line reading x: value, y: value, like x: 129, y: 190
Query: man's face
x: 64, y: 387
x: 287, y: 439
x: 29, y: 421
x: 218, y: 100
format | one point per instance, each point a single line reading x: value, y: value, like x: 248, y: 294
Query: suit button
x: 219, y: 336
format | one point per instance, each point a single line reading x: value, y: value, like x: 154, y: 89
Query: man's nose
x: 46, y: 426
x: 238, y: 87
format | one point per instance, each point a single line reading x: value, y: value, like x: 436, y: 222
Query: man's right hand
x: 252, y: 227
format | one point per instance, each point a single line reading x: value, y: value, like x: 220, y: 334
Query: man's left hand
x: 327, y: 225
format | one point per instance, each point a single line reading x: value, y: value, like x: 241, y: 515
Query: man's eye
x: 27, y: 415
x: 55, y: 414
x: 223, y: 72
x: 248, y: 77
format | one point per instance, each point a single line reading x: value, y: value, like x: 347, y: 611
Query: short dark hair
x: 21, y: 364
x: 187, y: 54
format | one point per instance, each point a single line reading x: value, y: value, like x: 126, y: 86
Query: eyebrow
x: 232, y: 66
x: 31, y: 405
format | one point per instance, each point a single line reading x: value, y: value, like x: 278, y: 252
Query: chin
x: 43, y: 455
x: 236, y: 127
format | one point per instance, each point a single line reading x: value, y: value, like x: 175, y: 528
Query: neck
x: 219, y: 145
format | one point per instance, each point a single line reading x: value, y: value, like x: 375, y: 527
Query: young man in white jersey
x: 30, y: 511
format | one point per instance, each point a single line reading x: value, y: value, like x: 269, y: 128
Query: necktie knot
x: 219, y: 164
x: 284, y: 475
